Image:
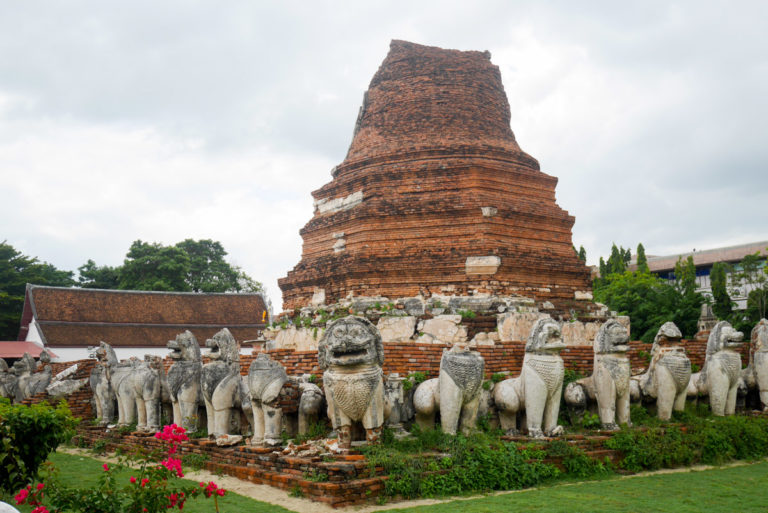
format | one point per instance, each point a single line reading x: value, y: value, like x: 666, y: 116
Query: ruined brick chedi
x: 435, y: 196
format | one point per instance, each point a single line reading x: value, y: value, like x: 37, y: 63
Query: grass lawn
x: 81, y: 472
x: 736, y: 489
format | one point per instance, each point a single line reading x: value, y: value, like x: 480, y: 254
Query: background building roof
x: 703, y: 258
x: 70, y: 317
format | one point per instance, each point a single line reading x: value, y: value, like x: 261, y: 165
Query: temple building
x: 435, y: 197
x: 66, y: 321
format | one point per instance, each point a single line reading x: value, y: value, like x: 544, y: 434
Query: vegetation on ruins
x: 16, y: 270
x: 28, y: 434
x: 433, y: 463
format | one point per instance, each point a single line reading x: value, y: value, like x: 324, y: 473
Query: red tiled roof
x: 16, y: 349
x: 69, y: 317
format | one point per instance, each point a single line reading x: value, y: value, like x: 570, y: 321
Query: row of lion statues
x: 359, y: 399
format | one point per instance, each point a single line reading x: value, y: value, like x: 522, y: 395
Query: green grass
x: 81, y: 472
x: 724, y: 490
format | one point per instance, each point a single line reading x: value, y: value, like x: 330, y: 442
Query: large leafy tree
x: 92, y: 276
x: 209, y: 272
x: 649, y: 300
x: 190, y: 265
x: 16, y: 270
x: 155, y: 267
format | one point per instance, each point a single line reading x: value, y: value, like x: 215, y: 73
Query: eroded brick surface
x: 432, y: 151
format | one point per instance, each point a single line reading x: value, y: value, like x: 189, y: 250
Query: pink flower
x: 106, y: 467
x: 21, y: 497
x: 40, y: 509
x: 174, y: 465
x: 144, y: 481
x: 40, y: 486
x: 133, y: 479
x: 221, y: 492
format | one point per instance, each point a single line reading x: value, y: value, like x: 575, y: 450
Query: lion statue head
x: 184, y: 348
x: 668, y: 334
x: 545, y: 337
x: 350, y: 341
x: 103, y: 353
x: 760, y: 336
x: 612, y: 338
x: 26, y: 365
x: 223, y: 347
x: 723, y: 336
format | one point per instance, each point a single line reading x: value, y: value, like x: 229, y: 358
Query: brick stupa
x: 435, y: 197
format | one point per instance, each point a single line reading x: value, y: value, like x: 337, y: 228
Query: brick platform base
x: 349, y: 479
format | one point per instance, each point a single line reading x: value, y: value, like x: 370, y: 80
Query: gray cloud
x: 174, y: 120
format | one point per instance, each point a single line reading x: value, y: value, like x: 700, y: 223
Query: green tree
x: 209, y: 272
x: 685, y: 275
x: 718, y: 277
x: 642, y: 261
x: 155, y: 267
x: 92, y: 276
x: 582, y: 254
x: 752, y: 277
x: 650, y: 302
x: 190, y: 265
x: 16, y: 270
x: 619, y: 259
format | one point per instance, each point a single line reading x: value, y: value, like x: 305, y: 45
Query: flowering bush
x: 155, y: 488
x: 28, y: 434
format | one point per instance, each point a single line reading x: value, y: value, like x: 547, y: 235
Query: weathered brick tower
x: 435, y: 196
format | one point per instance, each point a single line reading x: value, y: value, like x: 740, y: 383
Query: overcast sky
x: 168, y: 120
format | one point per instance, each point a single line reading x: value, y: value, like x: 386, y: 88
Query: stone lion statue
x: 609, y: 383
x: 266, y: 378
x: 351, y: 353
x: 29, y: 382
x: 538, y: 388
x: 221, y: 386
x: 455, y: 393
x: 147, y: 383
x: 756, y: 373
x: 668, y: 373
x: 310, y: 405
x: 184, y: 379
x: 103, y: 393
x: 720, y: 376
x: 8, y: 381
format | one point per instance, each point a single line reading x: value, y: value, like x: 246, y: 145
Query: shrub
x: 575, y: 460
x: 711, y: 440
x: 464, y: 464
x: 27, y: 435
